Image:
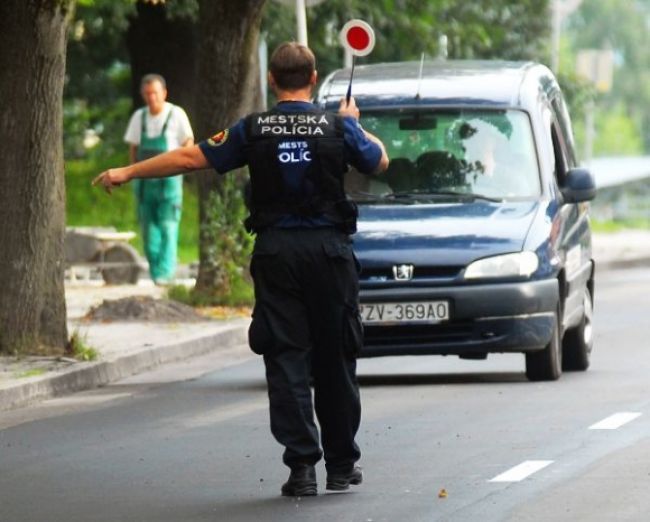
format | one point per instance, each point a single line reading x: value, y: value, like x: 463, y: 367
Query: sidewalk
x: 124, y: 348
x: 625, y: 249
x: 127, y: 348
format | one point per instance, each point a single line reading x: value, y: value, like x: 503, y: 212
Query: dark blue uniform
x: 306, y: 321
x: 363, y: 154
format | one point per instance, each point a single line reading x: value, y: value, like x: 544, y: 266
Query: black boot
x: 301, y: 483
x: 342, y: 481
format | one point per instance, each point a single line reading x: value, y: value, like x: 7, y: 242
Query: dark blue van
x: 477, y: 238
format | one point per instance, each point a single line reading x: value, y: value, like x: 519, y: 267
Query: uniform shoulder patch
x: 218, y: 139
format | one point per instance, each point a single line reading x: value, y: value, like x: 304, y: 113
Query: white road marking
x: 521, y: 471
x: 615, y: 421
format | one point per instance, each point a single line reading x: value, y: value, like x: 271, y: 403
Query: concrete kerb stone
x: 89, y: 375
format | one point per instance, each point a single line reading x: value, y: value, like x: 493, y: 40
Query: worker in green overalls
x: 153, y: 129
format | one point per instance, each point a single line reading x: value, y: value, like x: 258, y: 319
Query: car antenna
x: 417, y: 95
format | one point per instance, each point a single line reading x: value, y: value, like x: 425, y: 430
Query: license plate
x: 391, y: 313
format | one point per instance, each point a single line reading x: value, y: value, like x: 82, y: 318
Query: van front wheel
x: 546, y: 364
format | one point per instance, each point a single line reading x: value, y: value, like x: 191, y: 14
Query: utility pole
x: 301, y: 21
x: 443, y: 47
x: 301, y: 16
x: 597, y: 67
x: 560, y: 9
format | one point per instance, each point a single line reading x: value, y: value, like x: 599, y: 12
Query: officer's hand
x: 349, y: 109
x: 112, y: 178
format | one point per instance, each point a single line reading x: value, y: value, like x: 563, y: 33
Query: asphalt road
x: 180, y: 444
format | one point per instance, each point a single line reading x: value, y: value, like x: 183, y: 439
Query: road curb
x: 95, y: 374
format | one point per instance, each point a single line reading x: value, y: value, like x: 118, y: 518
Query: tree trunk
x: 32, y: 190
x: 228, y: 88
x: 166, y: 46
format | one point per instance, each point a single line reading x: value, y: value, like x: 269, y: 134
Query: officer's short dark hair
x: 292, y: 65
x: 150, y: 78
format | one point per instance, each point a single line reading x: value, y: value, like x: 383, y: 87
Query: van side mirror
x: 579, y: 186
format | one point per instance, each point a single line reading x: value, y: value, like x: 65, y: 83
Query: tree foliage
x: 592, y: 27
x: 498, y: 29
x: 112, y: 43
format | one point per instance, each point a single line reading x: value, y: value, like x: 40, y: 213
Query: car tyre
x: 546, y: 364
x: 578, y: 342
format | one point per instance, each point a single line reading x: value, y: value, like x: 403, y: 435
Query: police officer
x: 305, y: 321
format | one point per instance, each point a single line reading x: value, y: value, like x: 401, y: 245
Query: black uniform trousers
x: 306, y: 323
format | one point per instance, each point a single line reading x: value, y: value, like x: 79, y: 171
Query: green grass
x: 610, y: 227
x: 91, y: 206
x: 30, y: 373
x: 241, y: 294
x: 79, y: 349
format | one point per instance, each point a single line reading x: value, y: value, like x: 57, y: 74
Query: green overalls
x: 159, y: 207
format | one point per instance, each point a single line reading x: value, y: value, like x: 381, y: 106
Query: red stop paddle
x: 358, y: 37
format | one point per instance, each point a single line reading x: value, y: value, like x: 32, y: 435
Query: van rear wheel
x: 546, y: 364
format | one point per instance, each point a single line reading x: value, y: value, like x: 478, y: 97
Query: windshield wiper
x: 367, y: 196
x: 413, y: 196
x: 439, y: 194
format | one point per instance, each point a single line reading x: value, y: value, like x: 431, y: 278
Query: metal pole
x: 263, y: 50
x: 560, y: 10
x: 590, y: 109
x: 555, y: 43
x: 301, y: 21
x: 443, y: 47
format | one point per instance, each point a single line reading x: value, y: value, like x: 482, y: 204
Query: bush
x: 79, y: 349
x: 230, y: 246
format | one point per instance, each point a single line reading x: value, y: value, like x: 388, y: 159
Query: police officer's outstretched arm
x: 350, y: 109
x: 168, y: 164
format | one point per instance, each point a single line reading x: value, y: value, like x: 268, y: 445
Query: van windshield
x: 474, y: 153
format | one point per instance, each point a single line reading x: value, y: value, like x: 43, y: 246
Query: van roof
x: 452, y: 83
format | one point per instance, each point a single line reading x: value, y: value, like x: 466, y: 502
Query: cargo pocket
x: 260, y: 338
x: 265, y: 251
x: 339, y: 249
x: 352, y: 332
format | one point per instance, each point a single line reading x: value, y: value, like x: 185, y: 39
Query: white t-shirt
x: 178, y: 128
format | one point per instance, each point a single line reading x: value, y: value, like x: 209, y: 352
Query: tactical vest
x: 321, y: 194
